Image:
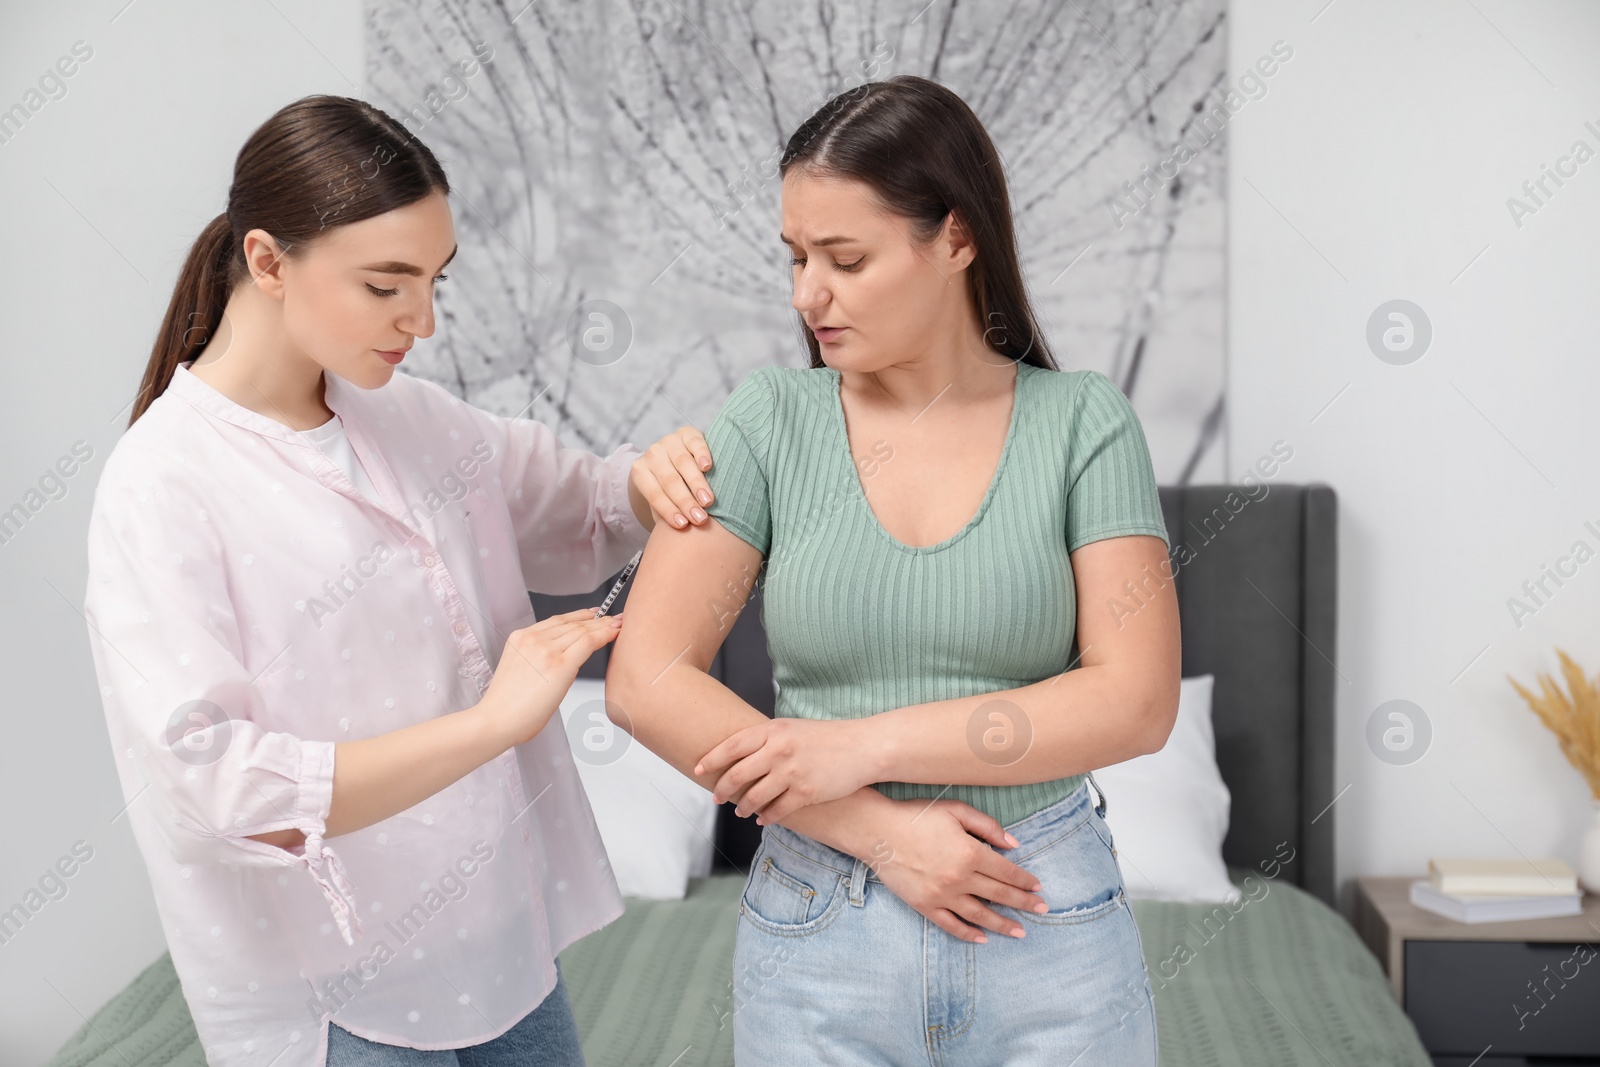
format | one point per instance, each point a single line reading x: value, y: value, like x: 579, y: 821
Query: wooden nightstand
x: 1493, y: 994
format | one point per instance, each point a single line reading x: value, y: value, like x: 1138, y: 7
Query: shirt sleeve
x: 568, y: 505
x: 738, y: 438
x: 180, y: 704
x: 1111, y: 485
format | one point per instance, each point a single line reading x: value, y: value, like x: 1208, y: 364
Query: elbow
x: 624, y: 691
x: 1161, y: 714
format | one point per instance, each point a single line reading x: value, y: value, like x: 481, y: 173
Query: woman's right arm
x: 186, y: 712
x: 378, y: 777
x: 688, y: 590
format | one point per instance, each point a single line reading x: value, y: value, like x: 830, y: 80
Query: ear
x: 264, y: 257
x: 956, y: 241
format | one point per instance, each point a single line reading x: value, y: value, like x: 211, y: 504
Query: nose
x: 417, y: 319
x: 808, y: 292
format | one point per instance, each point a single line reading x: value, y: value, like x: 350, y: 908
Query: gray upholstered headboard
x: 1256, y: 593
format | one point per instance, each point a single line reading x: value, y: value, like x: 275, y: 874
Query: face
x: 366, y: 289
x: 870, y: 294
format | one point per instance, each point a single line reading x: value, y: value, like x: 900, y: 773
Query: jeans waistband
x: 1053, y: 819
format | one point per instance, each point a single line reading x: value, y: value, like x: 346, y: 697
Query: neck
x: 963, y: 371
x: 252, y: 362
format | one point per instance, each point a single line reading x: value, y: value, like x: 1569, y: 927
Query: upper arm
x: 167, y: 652
x: 1127, y: 606
x: 692, y: 584
x: 690, y: 587
x: 1132, y: 633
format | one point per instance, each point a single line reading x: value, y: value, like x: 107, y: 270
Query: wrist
x: 850, y: 824
x: 491, y: 730
x: 875, y: 744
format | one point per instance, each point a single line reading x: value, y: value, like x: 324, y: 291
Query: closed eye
x: 837, y: 266
x: 394, y: 292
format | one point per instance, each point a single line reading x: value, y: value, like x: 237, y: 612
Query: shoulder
x: 1071, y: 385
x: 1093, y: 398
x: 768, y: 392
x: 159, y: 459
x: 156, y: 491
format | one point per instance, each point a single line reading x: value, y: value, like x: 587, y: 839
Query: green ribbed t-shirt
x: 859, y: 622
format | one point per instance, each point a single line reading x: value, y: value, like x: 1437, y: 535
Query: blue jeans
x: 545, y: 1037
x: 830, y: 967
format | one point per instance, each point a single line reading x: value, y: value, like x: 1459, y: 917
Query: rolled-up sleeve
x: 574, y: 524
x: 180, y: 704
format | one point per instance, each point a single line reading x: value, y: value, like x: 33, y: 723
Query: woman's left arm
x: 1120, y: 702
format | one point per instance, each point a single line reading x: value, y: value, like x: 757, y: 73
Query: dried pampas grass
x: 1574, y: 719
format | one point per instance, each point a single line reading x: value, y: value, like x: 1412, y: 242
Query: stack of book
x: 1486, y: 891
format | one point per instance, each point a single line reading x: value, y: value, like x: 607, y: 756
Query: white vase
x: 1589, y: 853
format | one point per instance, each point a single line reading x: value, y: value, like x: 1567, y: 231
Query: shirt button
x: 430, y: 560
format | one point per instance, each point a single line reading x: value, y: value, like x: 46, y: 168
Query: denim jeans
x: 545, y: 1037
x: 830, y: 967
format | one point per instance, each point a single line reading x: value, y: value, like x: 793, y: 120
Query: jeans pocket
x: 1078, y: 874
x: 790, y: 893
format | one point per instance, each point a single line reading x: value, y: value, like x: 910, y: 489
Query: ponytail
x: 195, y: 312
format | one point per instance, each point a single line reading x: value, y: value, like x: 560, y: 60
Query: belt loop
x: 1100, y: 807
x: 858, y: 883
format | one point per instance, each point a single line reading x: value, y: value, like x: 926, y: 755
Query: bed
x: 1279, y: 979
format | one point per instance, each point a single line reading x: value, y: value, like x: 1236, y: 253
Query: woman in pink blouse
x: 308, y: 612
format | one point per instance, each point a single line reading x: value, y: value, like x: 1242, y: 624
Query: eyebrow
x: 395, y: 266
x: 821, y: 242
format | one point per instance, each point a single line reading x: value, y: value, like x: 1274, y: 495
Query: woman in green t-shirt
x: 935, y: 513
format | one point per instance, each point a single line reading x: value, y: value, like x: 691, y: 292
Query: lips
x: 828, y: 334
x: 393, y: 357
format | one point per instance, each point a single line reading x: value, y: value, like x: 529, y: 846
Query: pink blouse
x: 248, y: 609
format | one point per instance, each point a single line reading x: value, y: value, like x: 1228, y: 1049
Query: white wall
x: 1390, y: 141
x: 1377, y: 167
x: 104, y: 188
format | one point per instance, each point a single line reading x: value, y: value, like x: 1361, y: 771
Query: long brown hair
x: 925, y: 154
x: 319, y: 163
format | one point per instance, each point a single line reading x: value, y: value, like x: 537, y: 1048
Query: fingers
x: 733, y: 748
x: 695, y: 443
x: 979, y: 824
x: 673, y: 466
x: 978, y: 913
x: 560, y: 625
x: 758, y: 796
x: 996, y: 866
x: 580, y: 615
x: 780, y: 809
x: 587, y: 635
x: 732, y: 784
x: 736, y: 783
x: 951, y: 923
x: 662, y: 504
x: 694, y: 481
x: 999, y: 892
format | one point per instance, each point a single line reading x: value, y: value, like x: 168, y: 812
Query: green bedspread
x: 1279, y: 980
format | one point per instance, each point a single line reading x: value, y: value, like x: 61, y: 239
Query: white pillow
x: 658, y: 826
x: 1168, y: 810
